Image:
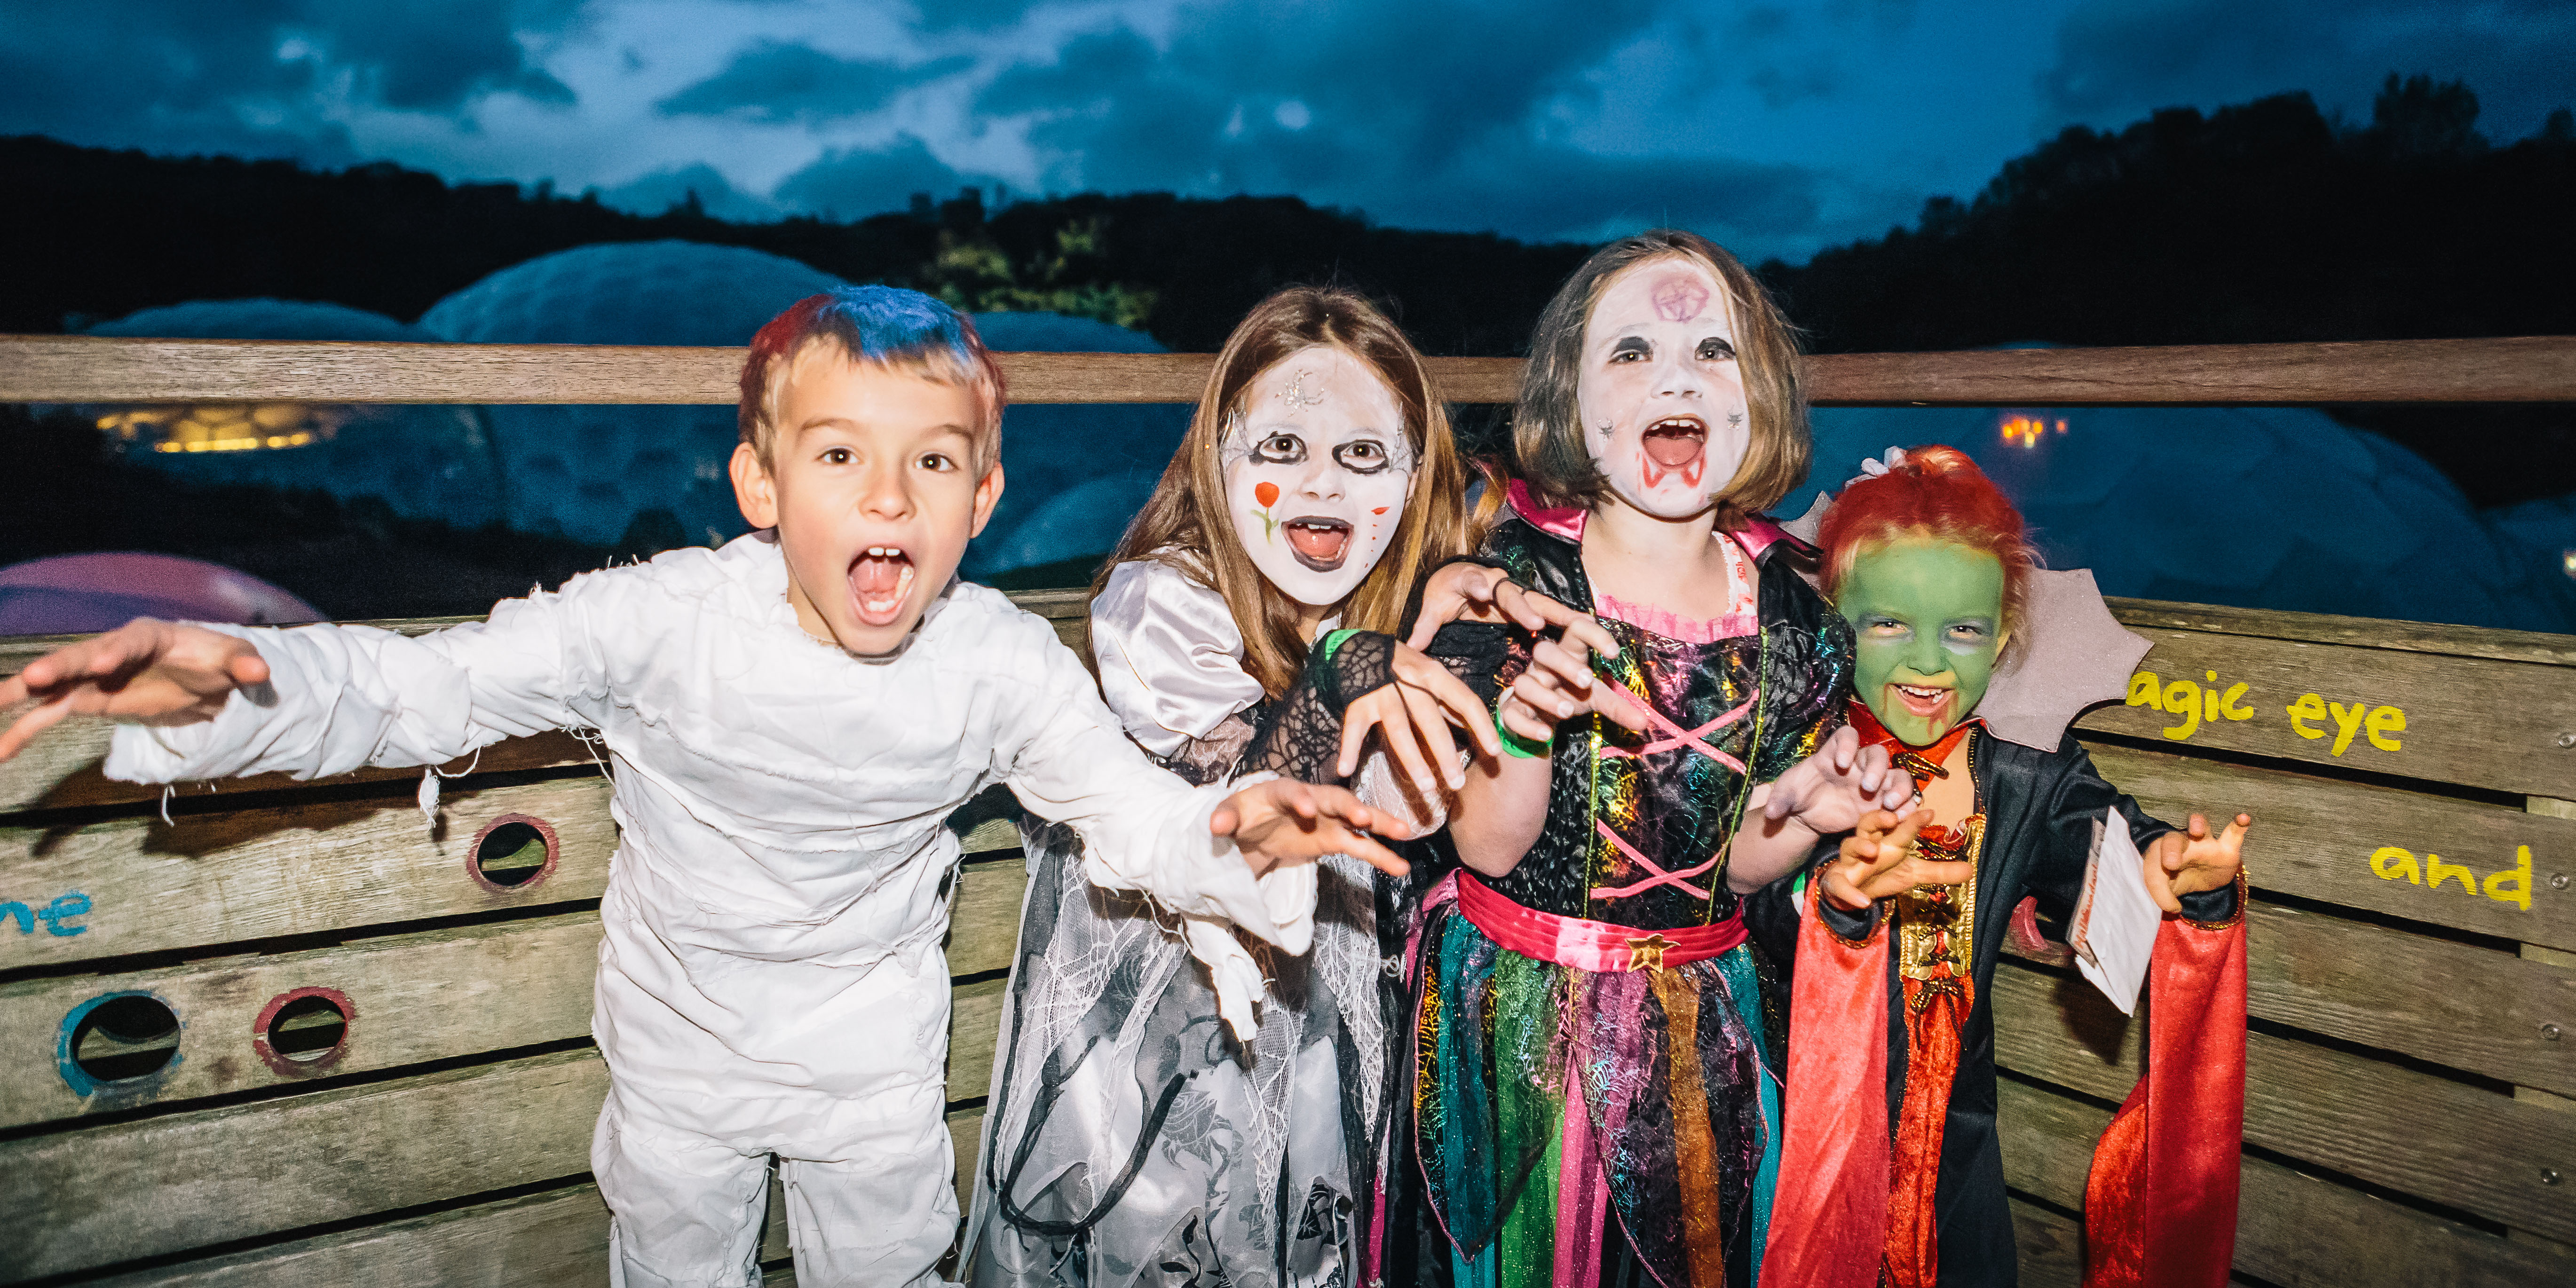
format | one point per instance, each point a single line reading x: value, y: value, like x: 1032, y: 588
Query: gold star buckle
x: 1648, y: 953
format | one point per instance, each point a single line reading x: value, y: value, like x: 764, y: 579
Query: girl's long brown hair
x: 1185, y: 523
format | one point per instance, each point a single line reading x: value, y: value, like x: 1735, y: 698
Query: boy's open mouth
x: 1676, y: 441
x: 880, y: 580
x: 1318, y: 543
x: 1924, y: 701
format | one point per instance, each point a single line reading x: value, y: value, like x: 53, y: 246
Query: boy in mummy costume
x: 789, y: 720
x: 1970, y: 664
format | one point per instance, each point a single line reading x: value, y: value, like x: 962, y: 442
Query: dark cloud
x: 2116, y: 60
x: 1443, y: 114
x: 975, y: 15
x: 256, y: 77
x: 778, y: 81
x: 855, y: 182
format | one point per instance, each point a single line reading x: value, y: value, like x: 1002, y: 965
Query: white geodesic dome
x: 589, y: 472
x: 425, y: 462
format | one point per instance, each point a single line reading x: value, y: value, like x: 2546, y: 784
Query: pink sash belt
x: 1598, y: 946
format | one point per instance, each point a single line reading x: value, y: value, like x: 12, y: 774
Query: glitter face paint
x: 1317, y: 472
x: 1661, y: 395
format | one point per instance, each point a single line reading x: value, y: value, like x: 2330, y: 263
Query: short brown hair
x: 1547, y: 431
x: 1185, y: 522
x: 885, y: 326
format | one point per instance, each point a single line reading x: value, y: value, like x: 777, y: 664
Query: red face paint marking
x: 1679, y: 298
x: 1266, y: 493
x: 1380, y: 510
x: 1653, y: 475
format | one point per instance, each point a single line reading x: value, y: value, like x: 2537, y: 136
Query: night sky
x: 1779, y: 128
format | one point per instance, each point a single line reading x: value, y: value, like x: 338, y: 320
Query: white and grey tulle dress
x: 1131, y: 1137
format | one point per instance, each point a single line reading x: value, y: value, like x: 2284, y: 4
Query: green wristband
x: 1332, y: 643
x: 1514, y: 745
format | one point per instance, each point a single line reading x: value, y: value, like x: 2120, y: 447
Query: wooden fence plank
x: 2051, y: 1246
x: 2316, y: 838
x: 984, y: 922
x: 160, y: 1185
x: 60, y: 769
x: 2293, y: 1230
x: 2465, y: 720
x: 2366, y: 632
x: 557, y: 1237
x: 2445, y: 1141
x: 974, y: 1022
x: 2454, y: 1004
x: 291, y: 869
x: 413, y: 998
x: 54, y: 368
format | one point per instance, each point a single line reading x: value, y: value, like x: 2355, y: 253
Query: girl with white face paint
x: 1135, y: 1131
x: 1598, y: 1086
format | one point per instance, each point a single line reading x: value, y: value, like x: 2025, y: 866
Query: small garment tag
x: 2115, y: 925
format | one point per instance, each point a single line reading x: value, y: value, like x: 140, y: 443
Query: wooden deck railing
x: 2413, y: 984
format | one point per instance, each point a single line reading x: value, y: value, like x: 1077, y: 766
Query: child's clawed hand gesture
x: 1286, y: 821
x: 144, y: 672
x: 1879, y: 860
x: 2191, y: 860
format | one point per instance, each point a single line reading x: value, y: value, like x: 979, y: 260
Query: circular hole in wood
x: 513, y: 852
x: 303, y: 1031
x: 308, y: 1029
x: 124, y: 1036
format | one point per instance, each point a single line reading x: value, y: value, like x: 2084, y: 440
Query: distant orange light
x: 2026, y: 430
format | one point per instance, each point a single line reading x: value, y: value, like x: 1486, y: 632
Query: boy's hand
x: 1411, y: 711
x: 1482, y: 594
x: 1559, y: 686
x: 1829, y: 791
x: 1879, y: 860
x: 1284, y: 820
x: 2190, y: 861
x: 146, y: 671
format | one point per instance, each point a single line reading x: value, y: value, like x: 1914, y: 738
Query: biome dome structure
x: 594, y: 472
x: 2255, y: 507
x: 426, y: 462
x: 69, y: 594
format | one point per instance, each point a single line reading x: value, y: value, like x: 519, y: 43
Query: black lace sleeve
x: 1303, y: 737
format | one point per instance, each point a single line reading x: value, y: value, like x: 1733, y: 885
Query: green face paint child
x: 1927, y: 617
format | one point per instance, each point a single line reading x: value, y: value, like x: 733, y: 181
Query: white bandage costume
x: 771, y: 979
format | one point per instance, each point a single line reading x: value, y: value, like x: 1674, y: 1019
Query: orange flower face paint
x: 1266, y: 493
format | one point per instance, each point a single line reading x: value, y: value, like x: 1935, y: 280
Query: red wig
x: 1937, y: 493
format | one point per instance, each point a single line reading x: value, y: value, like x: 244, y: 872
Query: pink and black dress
x: 1592, y: 1095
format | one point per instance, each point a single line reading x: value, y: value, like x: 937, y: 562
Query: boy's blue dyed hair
x: 880, y: 325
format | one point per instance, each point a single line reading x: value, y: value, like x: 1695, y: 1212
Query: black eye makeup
x: 1632, y: 348
x: 1362, y: 456
x: 1279, y: 449
x: 1716, y: 349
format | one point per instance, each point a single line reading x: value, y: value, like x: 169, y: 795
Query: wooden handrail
x: 93, y: 369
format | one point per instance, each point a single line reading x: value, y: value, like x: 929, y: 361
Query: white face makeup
x: 1661, y: 395
x: 1317, y: 471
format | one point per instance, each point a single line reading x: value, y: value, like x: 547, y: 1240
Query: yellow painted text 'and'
x: 2511, y: 885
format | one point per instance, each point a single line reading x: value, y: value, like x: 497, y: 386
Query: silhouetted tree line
x: 2264, y: 222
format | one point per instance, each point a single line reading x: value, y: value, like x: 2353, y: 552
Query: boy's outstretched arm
x: 144, y: 672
